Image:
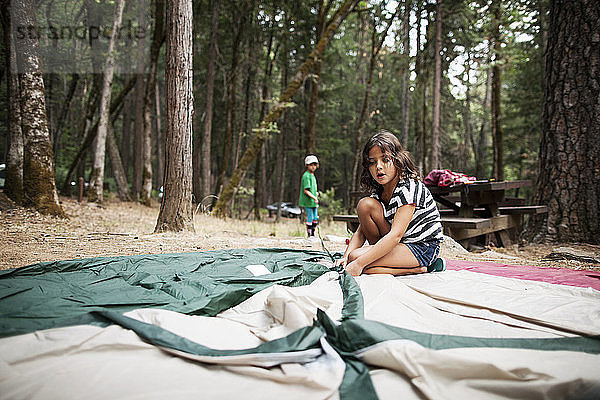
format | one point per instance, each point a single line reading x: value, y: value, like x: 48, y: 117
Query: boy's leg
x: 315, y: 220
x: 372, y: 222
x: 309, y: 221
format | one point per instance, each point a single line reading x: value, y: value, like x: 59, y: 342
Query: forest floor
x: 117, y: 228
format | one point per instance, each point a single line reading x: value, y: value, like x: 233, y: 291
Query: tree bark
x: 231, y: 97
x: 375, y: 48
x: 157, y: 40
x: 39, y: 186
x: 497, y: 130
x: 434, y: 161
x: 126, y: 133
x: 282, y: 153
x: 117, y: 165
x: 176, y: 212
x: 90, y: 134
x: 468, y: 126
x: 259, y: 173
x: 208, y: 108
x: 406, y: 74
x: 138, y: 125
x: 422, y: 115
x: 275, y: 112
x: 419, y: 71
x: 481, y: 144
x: 569, y: 163
x: 63, y: 112
x: 13, y: 184
x: 95, y: 193
x: 160, y: 142
x: 314, y: 86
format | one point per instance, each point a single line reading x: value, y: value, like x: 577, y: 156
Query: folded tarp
x: 455, y: 334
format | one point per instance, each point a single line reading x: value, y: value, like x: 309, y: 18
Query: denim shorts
x: 425, y: 252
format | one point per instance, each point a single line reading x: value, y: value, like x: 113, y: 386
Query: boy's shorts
x: 311, y: 214
x: 425, y: 252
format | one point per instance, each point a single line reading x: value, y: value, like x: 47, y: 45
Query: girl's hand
x: 341, y: 261
x: 354, y: 269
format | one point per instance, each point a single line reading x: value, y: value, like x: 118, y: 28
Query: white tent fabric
x: 113, y: 362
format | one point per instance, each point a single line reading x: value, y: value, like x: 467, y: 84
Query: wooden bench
x: 510, y: 210
x: 447, y: 222
x: 350, y: 220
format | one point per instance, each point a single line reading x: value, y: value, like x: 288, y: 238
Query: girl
x: 400, y: 220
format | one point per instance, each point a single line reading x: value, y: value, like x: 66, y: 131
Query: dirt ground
x: 127, y: 228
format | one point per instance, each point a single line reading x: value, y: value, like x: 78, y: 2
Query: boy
x: 309, y: 195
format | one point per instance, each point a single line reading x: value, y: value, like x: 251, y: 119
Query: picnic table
x: 481, y: 210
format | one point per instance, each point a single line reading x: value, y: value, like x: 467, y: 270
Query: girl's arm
x: 357, y: 240
x: 386, y: 243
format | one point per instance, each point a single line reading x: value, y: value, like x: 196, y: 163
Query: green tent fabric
x: 63, y: 293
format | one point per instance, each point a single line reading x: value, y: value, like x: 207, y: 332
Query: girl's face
x: 381, y: 167
x: 313, y: 167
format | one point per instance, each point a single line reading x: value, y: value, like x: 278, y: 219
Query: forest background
x: 462, y: 84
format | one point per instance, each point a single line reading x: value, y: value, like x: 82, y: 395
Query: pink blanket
x: 561, y: 276
x: 445, y: 177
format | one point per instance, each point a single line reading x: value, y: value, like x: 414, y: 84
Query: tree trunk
x: 117, y: 165
x: 126, y: 134
x: 419, y: 134
x: 375, y: 48
x: 160, y: 142
x: 138, y: 134
x: 426, y: 96
x: 406, y: 74
x: 13, y: 184
x: 176, y: 212
x: 259, y: 176
x: 468, y: 136
x: 231, y: 99
x: 314, y: 87
x: 157, y: 40
x: 497, y: 130
x: 90, y: 133
x: 480, y: 146
x: 63, y: 112
x: 275, y: 112
x: 569, y: 163
x: 282, y: 153
x: 95, y: 193
x: 39, y: 186
x: 434, y: 161
x: 208, y: 109
x: 138, y: 138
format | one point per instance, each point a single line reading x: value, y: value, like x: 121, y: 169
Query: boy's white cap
x: 310, y: 159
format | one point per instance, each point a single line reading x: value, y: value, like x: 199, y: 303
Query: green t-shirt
x: 309, y: 181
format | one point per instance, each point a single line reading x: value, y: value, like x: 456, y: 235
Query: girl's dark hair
x: 391, y: 146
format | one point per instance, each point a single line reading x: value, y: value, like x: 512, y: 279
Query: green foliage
x: 278, y: 32
x: 329, y: 205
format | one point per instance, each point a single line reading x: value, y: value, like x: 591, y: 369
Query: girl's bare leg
x: 399, y: 261
x: 394, y: 271
x: 372, y: 222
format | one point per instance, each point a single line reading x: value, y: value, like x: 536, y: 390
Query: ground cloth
x: 562, y: 276
x: 268, y: 323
